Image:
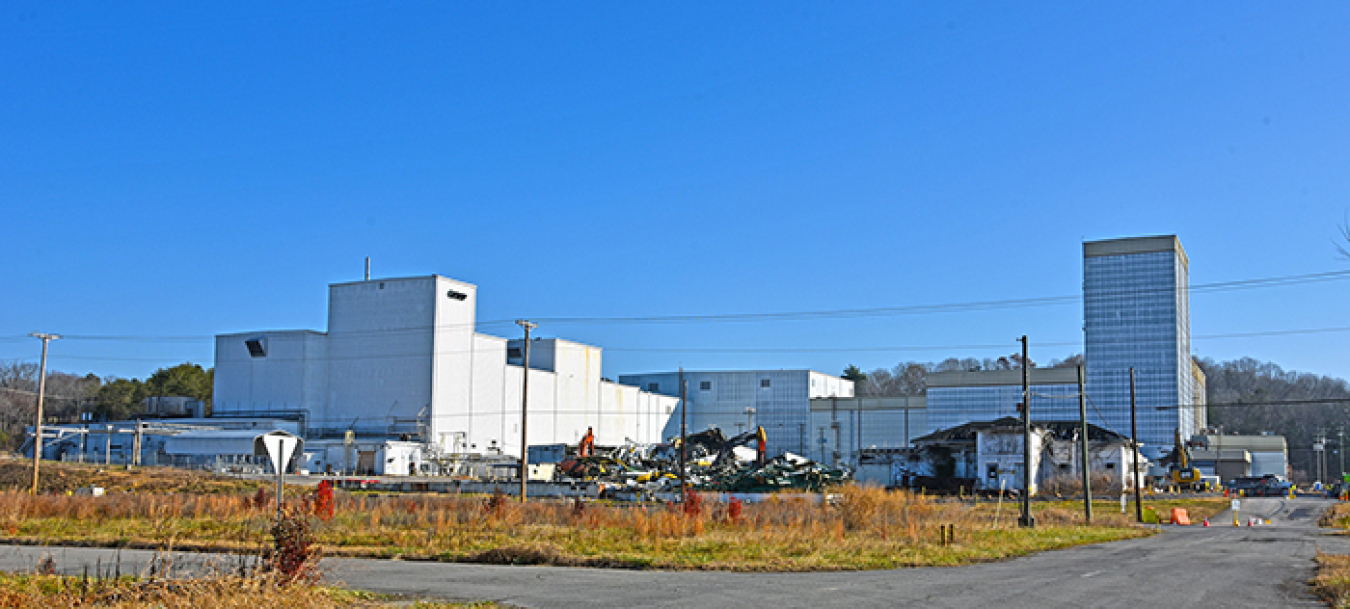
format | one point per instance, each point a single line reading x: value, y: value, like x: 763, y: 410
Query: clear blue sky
x: 171, y: 171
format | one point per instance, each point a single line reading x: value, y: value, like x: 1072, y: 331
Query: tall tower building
x: 1136, y: 314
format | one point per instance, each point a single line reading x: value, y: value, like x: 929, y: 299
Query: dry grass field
x: 43, y: 591
x: 865, y: 528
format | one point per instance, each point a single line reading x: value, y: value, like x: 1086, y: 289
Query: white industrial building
x: 401, y: 362
x: 843, y: 428
x: 736, y: 401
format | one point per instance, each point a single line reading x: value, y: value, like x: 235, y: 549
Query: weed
x: 294, y: 554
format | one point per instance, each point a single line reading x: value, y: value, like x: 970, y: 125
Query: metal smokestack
x: 367, y: 268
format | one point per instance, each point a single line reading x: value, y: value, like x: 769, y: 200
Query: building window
x: 991, y: 470
x: 653, y: 387
x: 513, y: 352
x: 456, y: 295
x: 705, y: 386
x: 764, y: 383
x: 257, y: 347
x: 1110, y: 466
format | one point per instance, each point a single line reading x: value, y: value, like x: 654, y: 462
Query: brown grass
x: 866, y: 528
x: 62, y: 478
x: 1337, y: 516
x: 219, y: 592
x: 1332, y: 582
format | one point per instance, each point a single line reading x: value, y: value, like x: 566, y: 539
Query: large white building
x: 401, y: 360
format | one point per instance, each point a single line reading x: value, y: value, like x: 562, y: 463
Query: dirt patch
x: 61, y: 478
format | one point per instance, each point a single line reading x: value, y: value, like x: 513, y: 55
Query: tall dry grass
x: 863, y: 527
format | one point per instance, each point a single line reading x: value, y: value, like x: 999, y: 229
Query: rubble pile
x: 713, y: 462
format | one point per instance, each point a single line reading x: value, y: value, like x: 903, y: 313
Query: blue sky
x: 171, y: 171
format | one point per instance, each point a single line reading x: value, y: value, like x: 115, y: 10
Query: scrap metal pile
x: 713, y: 462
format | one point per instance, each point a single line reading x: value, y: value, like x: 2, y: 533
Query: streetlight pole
x: 525, y: 407
x: 42, y: 389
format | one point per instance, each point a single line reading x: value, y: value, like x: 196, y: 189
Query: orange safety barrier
x: 1179, y: 516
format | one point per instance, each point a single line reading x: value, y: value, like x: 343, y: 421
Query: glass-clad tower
x: 1136, y: 313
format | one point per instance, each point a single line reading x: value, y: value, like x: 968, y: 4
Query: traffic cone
x: 1206, y: 522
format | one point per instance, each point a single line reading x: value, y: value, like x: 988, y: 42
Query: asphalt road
x: 1218, y: 566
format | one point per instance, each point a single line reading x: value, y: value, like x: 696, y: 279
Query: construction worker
x: 587, y: 446
x: 760, y: 440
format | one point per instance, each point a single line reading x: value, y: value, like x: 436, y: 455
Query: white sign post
x: 1236, y: 504
x: 280, y: 447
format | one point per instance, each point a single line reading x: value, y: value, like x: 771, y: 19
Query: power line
x: 1307, y: 402
x: 960, y: 306
x: 1222, y: 286
x: 754, y: 350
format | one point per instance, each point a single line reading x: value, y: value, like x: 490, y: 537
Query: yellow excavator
x: 1182, y: 475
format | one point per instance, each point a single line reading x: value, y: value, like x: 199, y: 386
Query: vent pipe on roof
x: 367, y: 268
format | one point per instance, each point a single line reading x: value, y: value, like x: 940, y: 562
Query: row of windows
x: 707, y: 385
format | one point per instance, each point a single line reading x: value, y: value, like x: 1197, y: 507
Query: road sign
x: 280, y: 449
x: 1236, y: 504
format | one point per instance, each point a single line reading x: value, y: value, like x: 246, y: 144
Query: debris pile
x: 713, y: 462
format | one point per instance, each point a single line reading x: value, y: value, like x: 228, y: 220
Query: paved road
x: 1219, y: 566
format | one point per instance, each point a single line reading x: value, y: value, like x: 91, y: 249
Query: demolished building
x: 987, y: 456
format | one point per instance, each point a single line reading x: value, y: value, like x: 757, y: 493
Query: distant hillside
x: 1247, y: 380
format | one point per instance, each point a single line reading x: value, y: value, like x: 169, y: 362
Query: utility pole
x: 684, y: 433
x: 1083, y: 432
x: 1134, y: 443
x: 1027, y: 520
x: 1341, y: 434
x: 525, y: 407
x: 42, y: 390
x: 136, y: 448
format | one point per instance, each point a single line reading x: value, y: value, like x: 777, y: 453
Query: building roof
x: 1251, y: 443
x: 758, y: 371
x: 1200, y: 454
x: 901, y: 402
x: 216, y: 441
x: 1061, y: 429
x: 1134, y: 245
x: 991, y: 378
x: 433, y: 276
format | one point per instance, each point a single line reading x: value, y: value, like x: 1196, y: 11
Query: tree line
x: 68, y: 395
x: 911, y: 378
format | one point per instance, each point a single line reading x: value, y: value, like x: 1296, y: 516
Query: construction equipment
x: 1181, y: 474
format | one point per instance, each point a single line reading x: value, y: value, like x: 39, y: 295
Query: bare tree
x: 1343, y: 246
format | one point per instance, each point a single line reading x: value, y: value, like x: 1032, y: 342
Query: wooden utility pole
x: 1027, y: 520
x: 524, y: 407
x: 1134, y: 443
x: 684, y: 432
x: 42, y: 389
x: 1083, y: 433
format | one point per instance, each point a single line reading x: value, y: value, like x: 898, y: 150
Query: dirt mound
x: 66, y: 477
